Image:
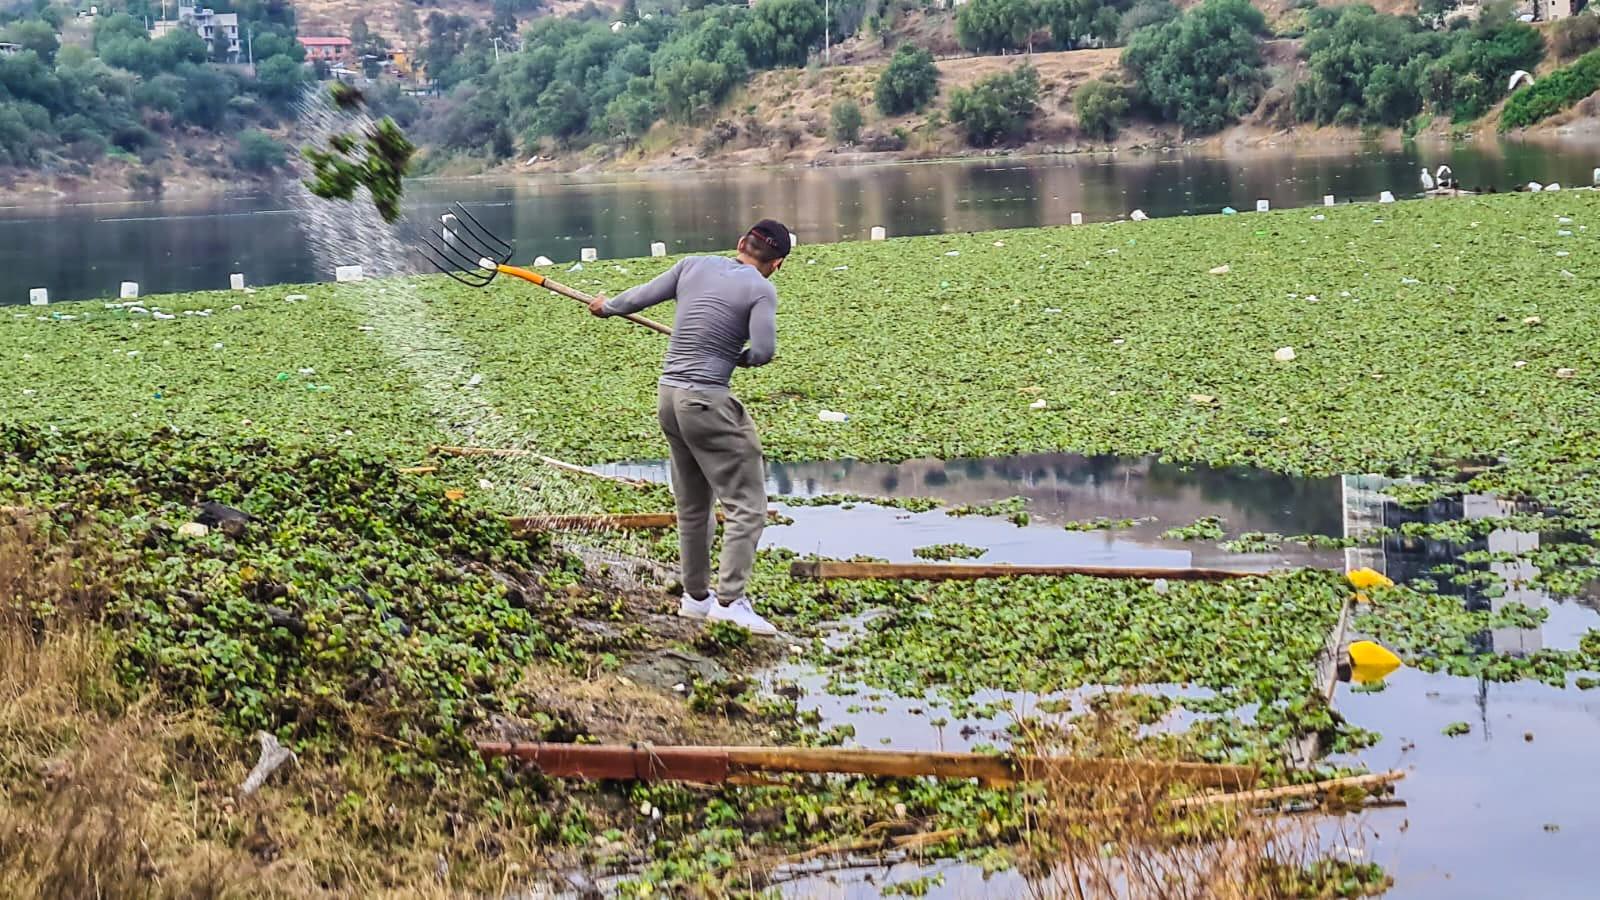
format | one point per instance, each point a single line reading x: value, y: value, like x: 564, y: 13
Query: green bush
x: 1101, y: 106
x: 1552, y: 93
x: 909, y: 82
x: 1070, y: 21
x: 998, y: 107
x: 844, y: 121
x: 258, y: 152
x: 1575, y: 35
x: 1203, y: 69
x: 990, y: 26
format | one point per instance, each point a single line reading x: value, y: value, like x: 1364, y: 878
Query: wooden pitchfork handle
x: 551, y: 284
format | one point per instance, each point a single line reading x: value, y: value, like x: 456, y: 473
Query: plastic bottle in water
x: 829, y: 415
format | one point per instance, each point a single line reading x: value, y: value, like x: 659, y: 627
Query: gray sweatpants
x: 716, y: 455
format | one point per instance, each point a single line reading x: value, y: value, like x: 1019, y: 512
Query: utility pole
x: 496, y: 40
x: 827, y: 32
x: 250, y: 42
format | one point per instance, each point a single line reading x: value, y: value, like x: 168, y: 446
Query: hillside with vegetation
x: 724, y: 85
x: 98, y: 101
x: 523, y: 85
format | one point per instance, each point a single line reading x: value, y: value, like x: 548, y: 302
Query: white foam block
x: 1327, y: 199
x: 658, y: 249
x: 589, y: 254
x: 1386, y: 197
x: 349, y: 273
x: 236, y: 281
x: 1263, y: 205
x: 130, y: 290
x: 879, y: 233
x: 1077, y: 218
x: 39, y: 297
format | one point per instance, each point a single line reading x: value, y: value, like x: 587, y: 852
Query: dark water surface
x: 87, y: 250
x: 1059, y: 488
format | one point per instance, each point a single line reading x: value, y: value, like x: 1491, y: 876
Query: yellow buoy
x: 1370, y: 662
x: 1363, y: 579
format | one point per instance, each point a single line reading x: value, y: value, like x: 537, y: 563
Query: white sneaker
x: 741, y: 613
x: 690, y: 608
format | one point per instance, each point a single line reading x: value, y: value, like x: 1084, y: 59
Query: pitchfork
x: 471, y: 254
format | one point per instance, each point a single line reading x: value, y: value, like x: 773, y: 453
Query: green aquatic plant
x: 1205, y: 528
x: 1013, y: 509
x: 949, y: 551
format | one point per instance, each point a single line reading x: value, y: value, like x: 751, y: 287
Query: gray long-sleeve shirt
x: 722, y: 304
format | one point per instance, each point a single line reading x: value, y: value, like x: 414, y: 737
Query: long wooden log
x: 824, y: 570
x: 717, y: 764
x: 605, y: 521
x: 1293, y: 791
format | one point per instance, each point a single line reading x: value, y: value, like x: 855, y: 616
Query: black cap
x: 774, y: 234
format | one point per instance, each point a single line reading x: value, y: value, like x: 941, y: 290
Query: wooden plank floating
x: 1294, y: 791
x: 712, y: 765
x: 606, y: 522
x: 824, y: 570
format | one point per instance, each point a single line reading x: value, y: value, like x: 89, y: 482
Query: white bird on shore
x: 1427, y: 179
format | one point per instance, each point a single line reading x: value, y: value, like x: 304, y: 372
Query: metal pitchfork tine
x: 465, y: 249
x: 472, y: 255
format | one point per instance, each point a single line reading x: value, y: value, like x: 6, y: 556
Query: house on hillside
x: 329, y: 50
x: 1550, y: 10
x: 206, y: 23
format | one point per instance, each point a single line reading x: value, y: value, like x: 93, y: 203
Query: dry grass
x: 1127, y: 841
x: 104, y: 794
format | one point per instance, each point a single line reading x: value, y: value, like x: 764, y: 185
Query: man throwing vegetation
x: 722, y: 304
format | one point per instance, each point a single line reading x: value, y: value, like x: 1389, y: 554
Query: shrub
x: 1203, y: 69
x: 909, y: 82
x: 258, y: 152
x: 1575, y: 35
x: 1553, y: 93
x: 1101, y: 106
x: 844, y: 121
x: 998, y: 107
x: 989, y: 26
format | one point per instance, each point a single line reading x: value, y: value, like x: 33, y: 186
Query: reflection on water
x: 193, y: 244
x: 1491, y: 814
x: 1060, y: 488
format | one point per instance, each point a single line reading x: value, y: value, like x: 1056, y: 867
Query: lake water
x: 1492, y: 814
x: 87, y: 250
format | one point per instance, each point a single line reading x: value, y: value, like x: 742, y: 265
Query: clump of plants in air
x: 377, y: 159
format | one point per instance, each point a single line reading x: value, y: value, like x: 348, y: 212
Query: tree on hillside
x: 1079, y: 23
x: 35, y: 35
x: 1144, y: 14
x: 908, y: 83
x: 1363, y: 67
x: 1202, y: 69
x: 781, y: 33
x: 844, y: 121
x: 998, y: 107
x: 1101, y: 106
x: 989, y: 26
x: 258, y: 152
x: 560, y: 113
